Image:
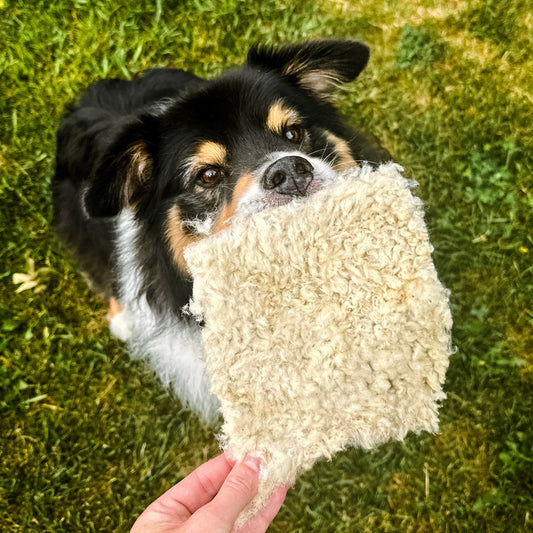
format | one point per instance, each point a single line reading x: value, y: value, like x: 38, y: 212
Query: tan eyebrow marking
x: 344, y: 158
x: 209, y: 153
x: 280, y: 115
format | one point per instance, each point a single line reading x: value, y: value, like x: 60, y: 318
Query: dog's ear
x: 319, y: 66
x: 124, y: 170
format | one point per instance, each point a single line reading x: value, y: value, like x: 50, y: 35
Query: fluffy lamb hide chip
x: 325, y: 325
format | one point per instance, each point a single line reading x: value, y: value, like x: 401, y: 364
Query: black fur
x: 128, y: 143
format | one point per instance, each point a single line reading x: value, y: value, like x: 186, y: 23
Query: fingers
x: 202, y: 485
x: 260, y: 522
x: 197, y: 489
x: 237, y: 491
x: 211, y: 499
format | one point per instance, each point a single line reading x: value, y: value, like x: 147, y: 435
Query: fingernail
x: 253, y: 462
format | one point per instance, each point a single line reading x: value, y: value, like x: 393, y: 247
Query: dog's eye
x: 293, y: 134
x: 210, y: 176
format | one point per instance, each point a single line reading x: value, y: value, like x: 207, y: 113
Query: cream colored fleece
x: 325, y: 325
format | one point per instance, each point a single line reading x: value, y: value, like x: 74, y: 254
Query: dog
x: 147, y: 167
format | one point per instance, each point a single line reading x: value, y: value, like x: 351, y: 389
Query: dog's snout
x: 289, y: 175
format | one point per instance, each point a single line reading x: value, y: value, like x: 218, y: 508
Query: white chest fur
x: 173, y: 348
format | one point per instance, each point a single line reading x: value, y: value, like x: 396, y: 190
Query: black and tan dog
x: 149, y: 166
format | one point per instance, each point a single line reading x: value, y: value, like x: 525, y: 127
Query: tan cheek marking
x: 344, y: 159
x: 209, y: 153
x: 178, y: 239
x: 280, y: 116
x: 241, y: 187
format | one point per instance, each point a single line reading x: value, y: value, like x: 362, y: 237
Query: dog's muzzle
x: 290, y: 175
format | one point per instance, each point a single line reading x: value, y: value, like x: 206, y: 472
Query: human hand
x: 209, y: 501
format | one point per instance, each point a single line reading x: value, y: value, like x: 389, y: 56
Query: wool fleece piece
x: 325, y: 325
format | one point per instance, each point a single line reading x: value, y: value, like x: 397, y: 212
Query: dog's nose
x: 289, y: 175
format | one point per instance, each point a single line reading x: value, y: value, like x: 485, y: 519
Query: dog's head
x: 252, y: 138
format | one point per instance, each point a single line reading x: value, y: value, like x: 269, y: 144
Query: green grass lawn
x: 88, y: 438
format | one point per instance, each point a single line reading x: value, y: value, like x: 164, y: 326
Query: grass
x: 88, y: 438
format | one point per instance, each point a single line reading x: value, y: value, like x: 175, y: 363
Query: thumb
x: 237, y: 491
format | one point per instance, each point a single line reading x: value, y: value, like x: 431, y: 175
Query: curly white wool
x: 325, y: 324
